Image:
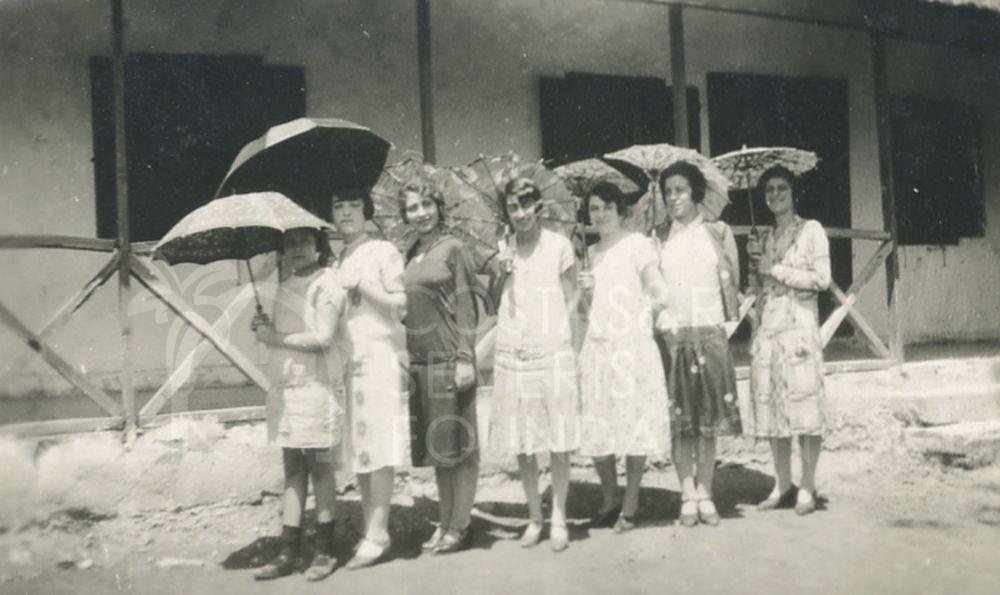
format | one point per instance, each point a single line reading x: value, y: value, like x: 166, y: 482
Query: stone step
x: 944, y: 405
x: 968, y: 444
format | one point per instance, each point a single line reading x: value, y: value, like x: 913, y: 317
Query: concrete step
x: 967, y: 445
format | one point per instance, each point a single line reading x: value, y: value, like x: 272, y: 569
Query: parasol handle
x: 253, y: 284
x: 753, y: 220
x: 652, y: 223
x: 585, y: 256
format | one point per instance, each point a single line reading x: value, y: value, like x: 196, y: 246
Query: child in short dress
x: 305, y: 402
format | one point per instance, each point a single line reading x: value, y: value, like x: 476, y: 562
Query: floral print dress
x: 786, y: 374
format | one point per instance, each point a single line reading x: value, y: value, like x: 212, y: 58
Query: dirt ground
x: 889, y: 523
x: 193, y: 507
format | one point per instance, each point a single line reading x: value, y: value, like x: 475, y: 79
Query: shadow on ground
x: 410, y: 526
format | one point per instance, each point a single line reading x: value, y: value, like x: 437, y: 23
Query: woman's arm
x: 654, y: 285
x: 816, y: 276
x: 572, y: 295
x: 732, y: 253
x: 389, y: 298
x: 466, y: 308
x: 466, y: 316
x: 386, y: 291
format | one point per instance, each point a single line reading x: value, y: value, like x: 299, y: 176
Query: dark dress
x: 441, y: 321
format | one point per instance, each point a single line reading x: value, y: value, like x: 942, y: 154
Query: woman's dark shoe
x: 430, y: 544
x: 785, y: 500
x: 322, y: 566
x: 606, y: 518
x: 454, y: 541
x: 689, y: 513
x: 369, y: 553
x: 624, y: 524
x: 804, y: 507
x: 707, y: 513
x: 282, y: 565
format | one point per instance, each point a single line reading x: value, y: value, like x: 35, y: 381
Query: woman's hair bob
x: 520, y: 187
x: 362, y: 194
x: 424, y: 188
x: 689, y: 172
x: 609, y: 193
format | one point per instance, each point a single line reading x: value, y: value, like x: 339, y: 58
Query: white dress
x: 622, y: 387
x: 535, y: 385
x: 377, y: 376
x: 305, y: 404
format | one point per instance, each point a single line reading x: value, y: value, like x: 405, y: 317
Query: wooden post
x: 883, y: 130
x: 678, y: 76
x: 121, y: 201
x: 426, y: 80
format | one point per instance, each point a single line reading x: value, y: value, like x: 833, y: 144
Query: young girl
x: 305, y: 403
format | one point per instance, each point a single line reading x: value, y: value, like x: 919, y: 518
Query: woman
x: 787, y: 368
x: 306, y: 399
x: 441, y: 326
x: 372, y: 272
x: 536, y: 400
x: 621, y: 380
x: 699, y: 264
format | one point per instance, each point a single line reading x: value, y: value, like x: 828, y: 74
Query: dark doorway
x: 186, y: 117
x: 806, y: 113
x: 588, y: 115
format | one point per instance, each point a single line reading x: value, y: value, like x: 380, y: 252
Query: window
x: 937, y: 171
x: 186, y: 118
x: 588, y: 115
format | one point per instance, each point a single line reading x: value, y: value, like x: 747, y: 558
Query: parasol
x: 235, y: 227
x: 307, y: 160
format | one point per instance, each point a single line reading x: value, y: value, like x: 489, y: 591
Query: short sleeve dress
x: 305, y: 403
x: 622, y: 386
x: 377, y: 376
x: 536, y: 399
x: 441, y: 324
x: 786, y: 373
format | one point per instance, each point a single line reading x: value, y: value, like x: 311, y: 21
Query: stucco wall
x: 360, y: 61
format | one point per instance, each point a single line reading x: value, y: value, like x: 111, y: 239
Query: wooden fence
x: 123, y: 416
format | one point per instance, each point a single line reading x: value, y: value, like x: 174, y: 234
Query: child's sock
x: 291, y: 540
x: 324, y: 538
